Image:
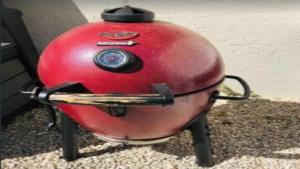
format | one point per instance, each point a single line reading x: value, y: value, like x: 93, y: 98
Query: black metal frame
x: 199, y: 130
x: 197, y: 126
x: 163, y: 95
x: 243, y: 83
x: 60, y: 94
x: 69, y: 138
x: 201, y: 141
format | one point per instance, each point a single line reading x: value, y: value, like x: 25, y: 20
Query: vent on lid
x: 127, y: 14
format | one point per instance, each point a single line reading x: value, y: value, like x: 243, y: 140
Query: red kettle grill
x: 132, y: 79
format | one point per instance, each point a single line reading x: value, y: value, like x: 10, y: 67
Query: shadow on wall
x: 45, y: 20
x: 256, y: 128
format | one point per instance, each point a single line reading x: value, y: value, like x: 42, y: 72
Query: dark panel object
x: 8, y: 52
x: 13, y: 86
x: 12, y: 21
x: 8, y: 45
x: 46, y: 19
x: 9, y: 106
x: 6, y: 37
x: 12, y: 68
x: 18, y: 63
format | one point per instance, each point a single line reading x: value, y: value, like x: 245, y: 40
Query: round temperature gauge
x: 114, y: 59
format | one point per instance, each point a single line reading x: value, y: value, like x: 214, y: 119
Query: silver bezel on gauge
x: 124, y: 62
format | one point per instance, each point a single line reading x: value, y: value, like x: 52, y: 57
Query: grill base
x: 198, y: 127
x: 133, y: 142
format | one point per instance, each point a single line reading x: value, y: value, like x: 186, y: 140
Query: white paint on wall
x: 259, y: 40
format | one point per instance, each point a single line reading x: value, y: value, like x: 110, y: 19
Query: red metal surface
x: 170, y: 54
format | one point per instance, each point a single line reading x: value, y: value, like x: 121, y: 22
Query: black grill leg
x: 51, y: 117
x: 69, y: 138
x: 201, y: 141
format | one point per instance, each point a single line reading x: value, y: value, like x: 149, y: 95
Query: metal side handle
x: 243, y: 83
x: 72, y: 93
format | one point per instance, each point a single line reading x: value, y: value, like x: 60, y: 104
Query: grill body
x: 166, y: 53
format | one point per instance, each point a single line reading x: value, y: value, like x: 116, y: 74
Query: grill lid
x: 127, y: 14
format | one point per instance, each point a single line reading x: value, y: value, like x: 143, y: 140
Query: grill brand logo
x: 119, y: 35
x: 123, y: 43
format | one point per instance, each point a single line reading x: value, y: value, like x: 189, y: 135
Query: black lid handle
x: 127, y: 14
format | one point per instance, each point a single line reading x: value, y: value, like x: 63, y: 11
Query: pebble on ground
x: 256, y: 133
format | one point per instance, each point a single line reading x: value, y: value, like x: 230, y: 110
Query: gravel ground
x: 256, y: 133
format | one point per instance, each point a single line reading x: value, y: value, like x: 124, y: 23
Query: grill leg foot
x: 69, y: 138
x: 201, y: 141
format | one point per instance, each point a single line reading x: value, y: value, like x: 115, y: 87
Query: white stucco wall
x: 259, y: 40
